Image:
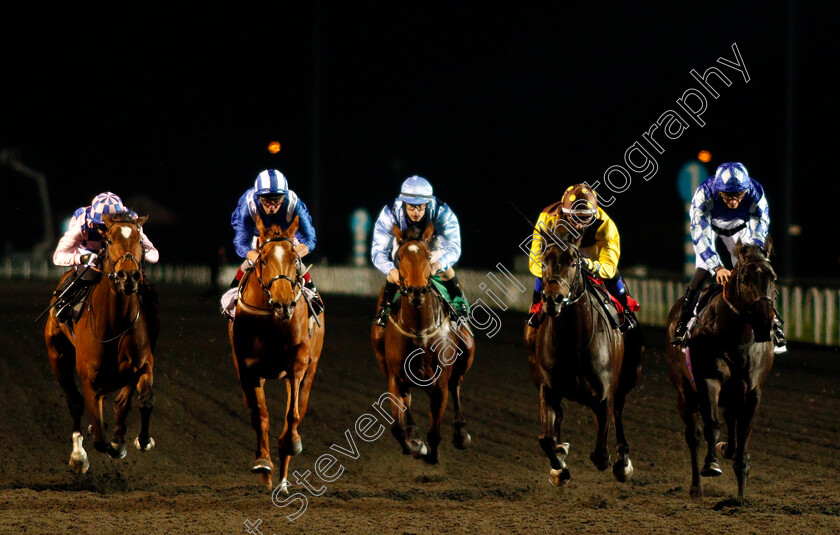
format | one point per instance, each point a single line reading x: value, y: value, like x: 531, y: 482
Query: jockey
x: 82, y: 242
x: 728, y: 207
x: 416, y: 206
x: 599, y: 246
x: 275, y: 204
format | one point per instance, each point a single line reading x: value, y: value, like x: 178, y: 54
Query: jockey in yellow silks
x: 599, y: 246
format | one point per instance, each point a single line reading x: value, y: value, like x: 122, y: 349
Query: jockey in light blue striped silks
x: 416, y: 206
x: 275, y: 204
x: 727, y: 208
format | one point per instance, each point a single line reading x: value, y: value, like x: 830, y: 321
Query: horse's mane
x: 752, y: 253
x: 413, y: 233
x: 122, y: 217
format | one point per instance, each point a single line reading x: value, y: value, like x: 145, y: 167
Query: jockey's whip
x: 66, y: 290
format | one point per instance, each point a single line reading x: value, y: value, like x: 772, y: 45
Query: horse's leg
x: 252, y: 388
x: 727, y: 449
x: 404, y: 428
x: 461, y: 439
x: 708, y: 391
x: 600, y: 456
x: 146, y: 400
x: 551, y: 414
x: 93, y: 401
x: 122, y: 404
x: 622, y: 468
x: 687, y: 407
x: 437, y: 406
x: 303, y: 403
x: 62, y: 357
x: 746, y: 416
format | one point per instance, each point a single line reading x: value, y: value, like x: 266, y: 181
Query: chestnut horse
x: 110, y: 346
x: 273, y: 337
x: 576, y: 354
x: 728, y: 357
x: 421, y: 346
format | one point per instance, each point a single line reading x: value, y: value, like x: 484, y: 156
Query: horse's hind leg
x: 551, y: 415
x: 603, y: 414
x: 146, y: 401
x: 687, y: 408
x: 62, y: 356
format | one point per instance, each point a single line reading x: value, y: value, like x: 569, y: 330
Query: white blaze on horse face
x: 413, y: 248
x: 126, y: 232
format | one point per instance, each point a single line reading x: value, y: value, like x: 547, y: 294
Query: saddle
x: 610, y: 306
x: 72, y: 294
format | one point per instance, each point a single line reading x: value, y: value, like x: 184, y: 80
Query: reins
x: 266, y: 288
x: 404, y: 291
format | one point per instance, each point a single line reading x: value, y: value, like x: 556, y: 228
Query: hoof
x: 562, y: 450
x: 622, y: 472
x: 417, y: 448
x: 721, y: 449
x: 262, y: 466
x: 711, y: 469
x: 117, y: 451
x: 601, y: 463
x: 280, y: 490
x: 461, y: 440
x: 139, y: 445
x: 79, y: 463
x: 297, y: 447
x: 560, y: 477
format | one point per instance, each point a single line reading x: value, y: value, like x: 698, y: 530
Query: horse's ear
x: 260, y: 226
x: 290, y: 232
x: 739, y: 248
x: 140, y: 220
x: 395, y: 230
x: 427, y: 234
x: 107, y: 220
x: 768, y: 246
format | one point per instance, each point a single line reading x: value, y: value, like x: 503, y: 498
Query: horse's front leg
x: 461, y: 439
x: 551, y: 417
x: 122, y: 404
x: 93, y: 401
x: 146, y: 401
x: 687, y: 408
x: 283, y: 441
x: 438, y: 397
x: 404, y: 428
x: 708, y: 391
x: 252, y: 388
x: 62, y: 357
x: 746, y: 417
x: 622, y: 468
x: 603, y: 409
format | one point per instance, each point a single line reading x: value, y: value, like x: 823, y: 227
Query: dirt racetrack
x: 197, y: 481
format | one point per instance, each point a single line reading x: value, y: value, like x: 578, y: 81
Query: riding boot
x: 536, y: 311
x: 629, y: 321
x: 779, y: 340
x: 686, y: 313
x: 317, y: 304
x: 385, y: 302
x: 456, y: 295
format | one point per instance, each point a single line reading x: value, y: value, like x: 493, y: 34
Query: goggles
x: 734, y: 196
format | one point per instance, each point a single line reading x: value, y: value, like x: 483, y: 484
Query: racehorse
x: 729, y: 355
x: 273, y: 337
x: 111, y: 344
x: 421, y: 346
x: 576, y: 354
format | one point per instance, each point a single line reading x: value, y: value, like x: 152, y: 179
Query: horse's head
x: 751, y: 288
x: 414, y: 262
x: 277, y: 268
x: 123, y: 251
x: 562, y: 279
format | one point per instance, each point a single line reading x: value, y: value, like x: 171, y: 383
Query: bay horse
x: 273, y: 337
x: 576, y: 354
x: 110, y: 346
x: 421, y: 346
x: 729, y: 355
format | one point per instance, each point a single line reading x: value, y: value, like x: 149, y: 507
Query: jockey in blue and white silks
x: 416, y: 206
x: 727, y: 208
x: 270, y: 200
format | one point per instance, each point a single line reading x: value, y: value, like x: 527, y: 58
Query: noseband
x: 416, y: 291
x: 571, y: 298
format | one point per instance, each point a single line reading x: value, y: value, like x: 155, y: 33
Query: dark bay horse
x: 730, y: 353
x: 576, y: 354
x: 273, y: 337
x: 421, y: 346
x: 110, y: 346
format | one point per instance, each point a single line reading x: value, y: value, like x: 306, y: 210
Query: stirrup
x: 381, y: 318
x: 630, y: 322
x: 680, y: 336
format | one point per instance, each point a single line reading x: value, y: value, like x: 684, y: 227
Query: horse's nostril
x: 135, y: 276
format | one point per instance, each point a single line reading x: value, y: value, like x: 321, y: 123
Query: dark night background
x: 492, y: 102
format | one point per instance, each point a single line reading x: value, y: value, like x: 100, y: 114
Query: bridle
x: 415, y: 291
x: 739, y: 282
x: 570, y: 298
x: 266, y: 286
x: 419, y: 292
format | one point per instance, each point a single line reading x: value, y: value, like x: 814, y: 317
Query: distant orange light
x: 704, y: 156
x: 274, y: 147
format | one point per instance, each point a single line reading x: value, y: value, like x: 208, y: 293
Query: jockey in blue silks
x: 727, y: 208
x: 275, y: 204
x: 416, y: 206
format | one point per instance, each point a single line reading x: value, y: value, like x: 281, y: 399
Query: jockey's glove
x: 591, y: 266
x: 84, y: 259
